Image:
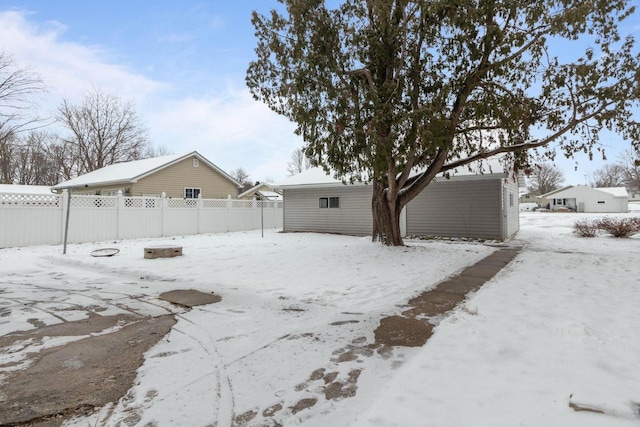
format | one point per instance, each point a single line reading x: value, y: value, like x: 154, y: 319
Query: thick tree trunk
x: 386, y: 216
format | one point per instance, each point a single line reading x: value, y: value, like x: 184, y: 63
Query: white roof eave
x: 319, y: 185
x: 94, y: 184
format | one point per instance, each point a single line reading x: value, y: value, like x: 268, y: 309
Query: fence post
x: 65, y: 218
x: 275, y: 213
x: 229, y: 213
x: 199, y: 214
x: 119, y: 214
x: 254, y: 215
x: 163, y: 204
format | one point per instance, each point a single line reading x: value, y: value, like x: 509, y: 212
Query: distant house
x: 177, y: 176
x: 587, y: 199
x: 262, y: 191
x: 529, y: 198
x: 466, y: 205
x: 634, y: 195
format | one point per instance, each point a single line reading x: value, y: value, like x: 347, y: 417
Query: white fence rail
x: 27, y: 220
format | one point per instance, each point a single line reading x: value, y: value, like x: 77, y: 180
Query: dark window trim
x: 195, y: 192
x: 331, y: 202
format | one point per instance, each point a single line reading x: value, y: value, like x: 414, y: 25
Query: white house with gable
x: 587, y: 199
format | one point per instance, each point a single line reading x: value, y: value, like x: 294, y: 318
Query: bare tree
x: 242, y: 176
x: 544, y: 178
x: 26, y: 159
x: 8, y: 146
x: 611, y: 175
x: 298, y: 163
x: 17, y: 89
x: 158, y: 151
x: 62, y: 155
x: 33, y: 165
x: 103, y: 130
x: 631, y: 174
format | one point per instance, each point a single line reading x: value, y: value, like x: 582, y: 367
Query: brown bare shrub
x: 586, y: 228
x: 619, y: 227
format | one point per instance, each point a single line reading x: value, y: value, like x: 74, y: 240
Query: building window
x: 510, y: 199
x: 196, y: 163
x: 191, y: 193
x: 601, y: 202
x: 328, y: 202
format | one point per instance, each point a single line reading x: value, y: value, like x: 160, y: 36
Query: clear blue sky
x: 183, y: 63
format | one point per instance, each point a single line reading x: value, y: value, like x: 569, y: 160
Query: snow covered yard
x: 291, y: 340
x: 558, y: 326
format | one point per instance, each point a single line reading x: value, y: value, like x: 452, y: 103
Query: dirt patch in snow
x: 414, y: 327
x: 402, y: 331
x: 189, y: 297
x: 303, y: 404
x: 76, y: 377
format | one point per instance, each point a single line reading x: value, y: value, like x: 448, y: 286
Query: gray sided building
x: 465, y: 206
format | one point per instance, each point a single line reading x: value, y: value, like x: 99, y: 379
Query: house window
x: 601, y: 202
x: 196, y: 163
x: 191, y: 193
x: 510, y: 199
x: 328, y: 202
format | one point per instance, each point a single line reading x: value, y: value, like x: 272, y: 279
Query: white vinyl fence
x: 27, y: 219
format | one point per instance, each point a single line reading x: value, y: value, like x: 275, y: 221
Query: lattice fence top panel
x: 248, y: 204
x: 94, y: 201
x: 143, y: 202
x: 266, y: 204
x: 30, y: 200
x: 214, y: 203
x: 182, y: 203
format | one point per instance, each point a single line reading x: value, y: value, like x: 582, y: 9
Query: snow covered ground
x: 291, y: 340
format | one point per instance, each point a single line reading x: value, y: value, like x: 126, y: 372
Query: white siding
x: 302, y: 213
x: 458, y: 208
x: 592, y: 199
x: 511, y: 210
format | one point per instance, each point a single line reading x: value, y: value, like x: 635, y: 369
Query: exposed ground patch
x: 414, y: 327
x: 189, y: 297
x: 81, y: 375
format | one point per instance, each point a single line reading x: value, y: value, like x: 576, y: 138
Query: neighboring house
x: 262, y: 190
x: 545, y: 200
x: 529, y: 198
x: 587, y: 199
x: 177, y: 176
x: 634, y: 195
x: 466, y: 205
